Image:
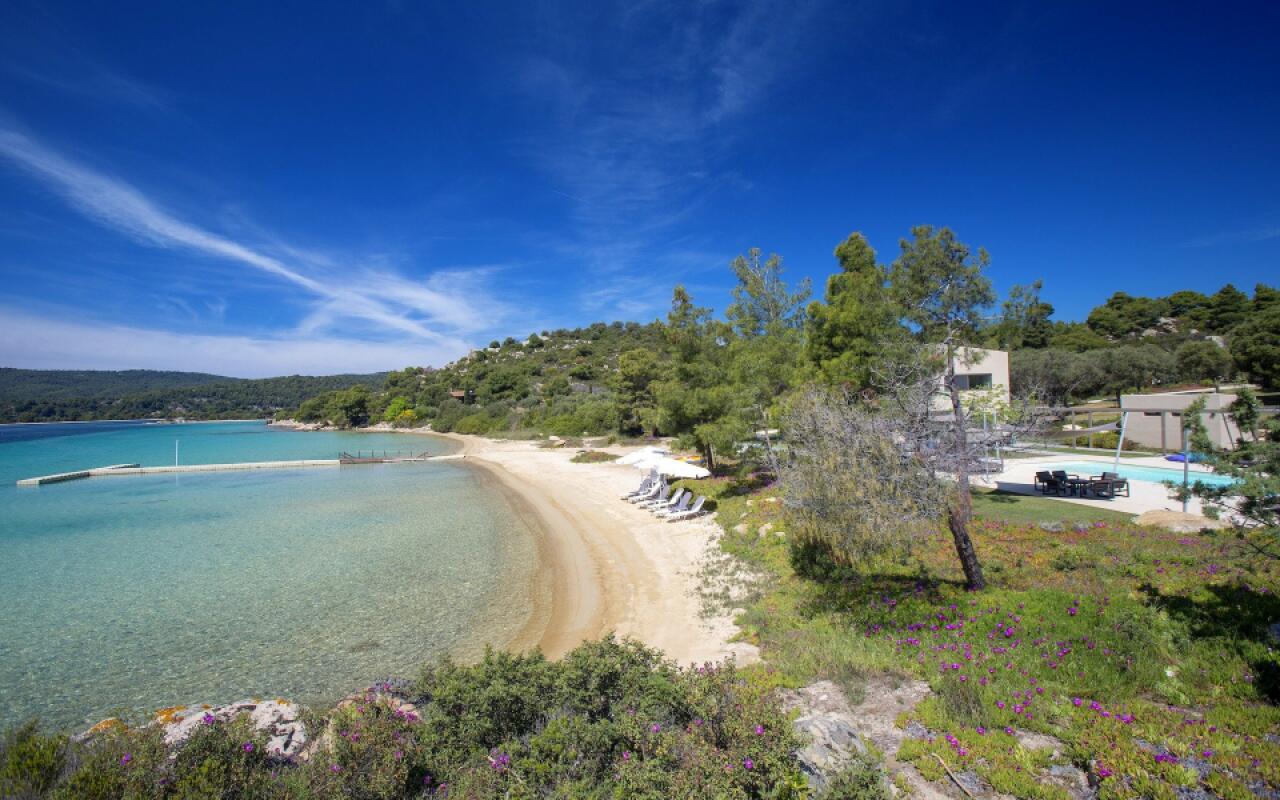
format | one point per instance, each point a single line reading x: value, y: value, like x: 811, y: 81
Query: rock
x: 971, y: 782
x: 740, y: 528
x: 829, y: 725
x: 765, y: 529
x: 106, y: 726
x: 917, y: 731
x: 278, y: 718
x: 834, y: 742
x: 1072, y: 779
x: 1039, y: 741
x: 780, y: 534
x: 1178, y: 522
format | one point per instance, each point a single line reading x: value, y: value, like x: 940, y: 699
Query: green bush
x: 30, y: 762
x: 611, y: 719
x: 861, y: 779
x: 474, y: 424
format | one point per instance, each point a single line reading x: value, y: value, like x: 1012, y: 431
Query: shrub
x: 612, y: 719
x: 861, y: 779
x: 30, y: 762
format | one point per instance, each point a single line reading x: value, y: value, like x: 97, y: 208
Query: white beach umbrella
x: 643, y: 454
x: 674, y: 468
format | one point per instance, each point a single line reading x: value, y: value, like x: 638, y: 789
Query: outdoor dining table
x: 1078, y: 486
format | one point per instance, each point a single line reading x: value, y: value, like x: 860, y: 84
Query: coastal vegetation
x: 610, y: 719
x: 1138, y: 656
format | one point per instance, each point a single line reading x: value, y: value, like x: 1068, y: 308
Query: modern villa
x: 983, y: 378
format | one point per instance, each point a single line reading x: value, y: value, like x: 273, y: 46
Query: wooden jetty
x: 344, y: 459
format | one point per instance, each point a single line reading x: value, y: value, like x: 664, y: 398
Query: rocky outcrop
x: 278, y: 718
x: 1178, y: 522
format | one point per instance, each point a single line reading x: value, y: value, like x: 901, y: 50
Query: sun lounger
x: 662, y: 499
x: 645, y: 486
x: 658, y: 490
x: 683, y: 505
x: 694, y: 511
x: 671, y: 503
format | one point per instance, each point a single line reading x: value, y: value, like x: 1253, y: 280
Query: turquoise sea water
x: 1152, y: 474
x: 130, y: 593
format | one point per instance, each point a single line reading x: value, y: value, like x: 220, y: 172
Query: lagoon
x: 127, y: 594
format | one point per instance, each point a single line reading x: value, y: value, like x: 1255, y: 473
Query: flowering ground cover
x: 1144, y: 653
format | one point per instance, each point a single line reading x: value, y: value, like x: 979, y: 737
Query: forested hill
x: 713, y: 379
x: 17, y: 385
x: 28, y: 395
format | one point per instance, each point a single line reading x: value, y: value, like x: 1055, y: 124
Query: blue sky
x: 256, y: 189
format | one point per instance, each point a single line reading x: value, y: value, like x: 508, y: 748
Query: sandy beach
x: 612, y: 566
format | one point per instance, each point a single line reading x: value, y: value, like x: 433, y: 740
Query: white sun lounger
x: 654, y: 493
x: 696, y: 510
x: 666, y: 502
x: 645, y: 486
x: 683, y: 505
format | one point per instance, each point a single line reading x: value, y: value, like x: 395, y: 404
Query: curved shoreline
x: 611, y: 567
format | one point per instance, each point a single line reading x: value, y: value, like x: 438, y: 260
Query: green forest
x: 713, y: 379
x: 30, y: 395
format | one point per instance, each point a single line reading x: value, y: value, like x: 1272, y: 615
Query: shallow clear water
x: 1136, y: 473
x: 135, y: 592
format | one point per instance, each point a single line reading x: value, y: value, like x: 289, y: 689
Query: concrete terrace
x: 1019, y: 478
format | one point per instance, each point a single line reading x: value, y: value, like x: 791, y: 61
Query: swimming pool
x: 1137, y: 473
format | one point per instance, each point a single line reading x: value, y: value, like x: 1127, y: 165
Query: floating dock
x: 134, y: 469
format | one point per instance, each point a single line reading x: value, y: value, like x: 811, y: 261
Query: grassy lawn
x: 1098, y: 451
x: 1021, y: 508
x: 1144, y: 652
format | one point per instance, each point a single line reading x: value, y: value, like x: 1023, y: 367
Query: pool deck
x: 1019, y: 478
x: 134, y: 469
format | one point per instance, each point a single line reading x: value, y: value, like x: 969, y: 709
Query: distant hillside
x: 561, y: 381
x: 19, y: 385
x: 63, y: 395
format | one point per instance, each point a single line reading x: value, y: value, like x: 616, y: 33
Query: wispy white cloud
x: 98, y: 83
x: 43, y: 342
x: 1261, y: 233
x: 640, y: 148
x: 436, y: 309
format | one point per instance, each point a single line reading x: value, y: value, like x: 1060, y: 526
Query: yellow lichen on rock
x: 108, y: 724
x: 167, y: 716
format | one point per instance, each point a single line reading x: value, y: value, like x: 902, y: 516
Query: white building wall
x: 987, y: 373
x: 1155, y: 420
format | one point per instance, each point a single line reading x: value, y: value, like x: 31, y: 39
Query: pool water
x: 1137, y: 473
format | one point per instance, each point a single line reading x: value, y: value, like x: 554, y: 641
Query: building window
x: 974, y: 381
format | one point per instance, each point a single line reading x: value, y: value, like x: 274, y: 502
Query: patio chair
x: 1057, y: 482
x: 1109, y: 484
x: 691, y: 513
x: 1043, y: 479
